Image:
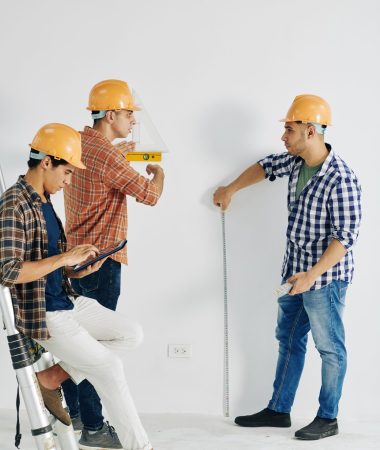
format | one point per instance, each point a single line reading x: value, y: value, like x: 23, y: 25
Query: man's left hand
x: 125, y: 147
x: 301, y: 281
x: 87, y: 271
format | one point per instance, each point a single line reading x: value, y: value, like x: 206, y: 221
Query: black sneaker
x: 265, y: 418
x: 104, y: 439
x: 318, y: 429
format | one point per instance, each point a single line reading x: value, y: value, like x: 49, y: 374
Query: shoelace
x: 111, y: 430
x: 60, y: 393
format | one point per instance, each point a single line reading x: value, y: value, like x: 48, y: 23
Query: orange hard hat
x: 111, y: 95
x: 308, y: 108
x: 61, y: 142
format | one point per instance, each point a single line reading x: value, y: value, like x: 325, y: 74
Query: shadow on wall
x: 255, y: 228
x: 227, y: 136
x: 255, y: 239
x: 13, y: 162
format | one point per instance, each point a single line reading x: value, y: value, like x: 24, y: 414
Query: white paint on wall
x: 216, y: 77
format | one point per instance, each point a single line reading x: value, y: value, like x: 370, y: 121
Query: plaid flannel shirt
x: 95, y: 201
x: 24, y: 238
x: 328, y: 208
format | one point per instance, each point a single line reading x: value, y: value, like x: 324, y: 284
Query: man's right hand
x: 222, y: 197
x: 33, y: 270
x: 154, y: 169
x: 79, y: 254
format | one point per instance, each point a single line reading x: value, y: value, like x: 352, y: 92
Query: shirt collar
x: 88, y: 131
x: 327, y: 161
x: 35, y: 197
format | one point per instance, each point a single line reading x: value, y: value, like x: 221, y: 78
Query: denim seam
x: 332, y: 305
x: 287, y: 357
x: 332, y: 332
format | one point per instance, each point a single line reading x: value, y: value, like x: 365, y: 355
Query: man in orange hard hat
x: 96, y: 213
x: 323, y: 224
x: 36, y: 266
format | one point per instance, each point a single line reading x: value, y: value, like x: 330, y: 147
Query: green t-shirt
x: 304, y: 176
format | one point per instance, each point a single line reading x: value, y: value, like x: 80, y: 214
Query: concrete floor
x: 204, y: 432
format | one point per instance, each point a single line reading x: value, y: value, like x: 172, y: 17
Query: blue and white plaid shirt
x: 328, y: 208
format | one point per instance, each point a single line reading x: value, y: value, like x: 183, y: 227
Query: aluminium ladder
x: 25, y: 368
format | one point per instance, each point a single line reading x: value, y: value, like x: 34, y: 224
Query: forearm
x: 333, y: 254
x: 158, y: 180
x: 34, y: 270
x: 223, y: 195
x: 252, y: 175
x: 302, y: 281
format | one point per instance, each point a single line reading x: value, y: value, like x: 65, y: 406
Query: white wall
x: 215, y: 76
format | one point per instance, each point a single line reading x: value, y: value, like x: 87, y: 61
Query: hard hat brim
x: 135, y: 108
x: 79, y: 165
x: 303, y: 121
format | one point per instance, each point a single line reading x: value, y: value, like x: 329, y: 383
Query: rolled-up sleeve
x: 12, y: 245
x: 118, y: 174
x: 277, y: 165
x: 344, y: 207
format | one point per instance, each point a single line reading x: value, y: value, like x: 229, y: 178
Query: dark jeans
x: 104, y: 286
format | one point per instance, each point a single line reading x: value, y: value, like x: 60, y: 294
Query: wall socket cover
x: 179, y: 350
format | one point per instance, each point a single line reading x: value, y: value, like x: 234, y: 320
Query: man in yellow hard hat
x: 35, y: 265
x: 323, y: 224
x: 96, y: 213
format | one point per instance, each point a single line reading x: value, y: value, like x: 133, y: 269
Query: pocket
x: 319, y: 294
x: 343, y: 285
x: 338, y: 290
x: 87, y: 284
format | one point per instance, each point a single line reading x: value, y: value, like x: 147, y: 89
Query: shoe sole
x: 67, y: 423
x: 257, y: 425
x: 86, y: 447
x: 316, y: 437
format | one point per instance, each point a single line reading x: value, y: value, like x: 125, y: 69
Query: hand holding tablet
x: 103, y: 254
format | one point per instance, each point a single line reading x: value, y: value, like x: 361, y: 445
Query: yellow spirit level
x: 144, y: 156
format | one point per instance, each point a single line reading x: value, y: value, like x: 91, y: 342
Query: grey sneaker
x: 77, y: 424
x: 104, y: 439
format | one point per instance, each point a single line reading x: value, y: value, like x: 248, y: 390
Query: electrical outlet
x: 179, y: 350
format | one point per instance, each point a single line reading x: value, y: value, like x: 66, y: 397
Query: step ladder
x: 45, y: 429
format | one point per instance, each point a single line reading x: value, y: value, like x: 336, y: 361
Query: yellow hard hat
x: 111, y: 95
x: 61, y: 142
x: 308, y: 108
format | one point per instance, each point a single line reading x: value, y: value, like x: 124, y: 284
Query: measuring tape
x: 226, y: 374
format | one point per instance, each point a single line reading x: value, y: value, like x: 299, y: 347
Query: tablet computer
x: 103, y: 254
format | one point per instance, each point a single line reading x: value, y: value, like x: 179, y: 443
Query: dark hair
x: 35, y: 162
x: 309, y: 123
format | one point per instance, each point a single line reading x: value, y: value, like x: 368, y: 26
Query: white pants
x: 85, y: 339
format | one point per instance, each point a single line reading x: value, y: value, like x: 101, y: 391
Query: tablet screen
x: 103, y: 254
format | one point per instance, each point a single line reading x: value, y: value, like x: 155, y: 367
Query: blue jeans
x: 321, y: 312
x: 104, y: 286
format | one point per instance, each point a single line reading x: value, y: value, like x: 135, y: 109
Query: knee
x: 330, y: 351
x: 291, y: 341
x: 134, y: 335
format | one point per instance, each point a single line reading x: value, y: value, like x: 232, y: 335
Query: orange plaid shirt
x: 95, y: 201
